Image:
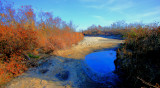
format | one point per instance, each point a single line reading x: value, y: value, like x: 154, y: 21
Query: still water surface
x: 102, y: 61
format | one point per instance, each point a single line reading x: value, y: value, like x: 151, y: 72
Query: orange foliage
x: 21, y: 34
x: 14, y: 40
x: 13, y: 67
x: 58, y: 39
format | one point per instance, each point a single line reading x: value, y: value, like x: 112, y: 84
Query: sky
x: 84, y: 13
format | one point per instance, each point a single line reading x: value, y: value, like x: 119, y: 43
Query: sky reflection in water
x: 102, y: 62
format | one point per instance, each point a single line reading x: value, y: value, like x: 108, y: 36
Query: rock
x: 63, y: 75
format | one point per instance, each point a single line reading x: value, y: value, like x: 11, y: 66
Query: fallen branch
x: 149, y: 84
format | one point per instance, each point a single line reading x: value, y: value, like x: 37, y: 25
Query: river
x: 99, y: 66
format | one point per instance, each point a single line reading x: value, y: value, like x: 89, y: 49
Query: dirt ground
x: 64, y: 70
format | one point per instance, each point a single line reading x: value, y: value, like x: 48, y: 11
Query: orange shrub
x: 13, y: 67
x: 14, y: 40
x: 58, y: 39
x: 20, y: 34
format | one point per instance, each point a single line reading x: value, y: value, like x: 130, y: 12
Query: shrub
x: 139, y: 56
x: 16, y: 40
x: 12, y: 67
x: 54, y: 39
x: 21, y: 34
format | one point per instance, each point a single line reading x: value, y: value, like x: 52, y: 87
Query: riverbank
x: 64, y: 70
x: 88, y: 45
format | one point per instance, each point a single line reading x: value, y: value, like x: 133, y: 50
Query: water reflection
x: 99, y: 66
x: 101, y: 62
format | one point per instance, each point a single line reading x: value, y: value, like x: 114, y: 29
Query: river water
x: 99, y: 66
x: 102, y: 62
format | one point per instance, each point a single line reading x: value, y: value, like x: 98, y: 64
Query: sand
x: 68, y: 63
x: 88, y: 45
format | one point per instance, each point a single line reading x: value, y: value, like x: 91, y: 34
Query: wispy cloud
x: 113, y: 5
x: 102, y: 19
x: 103, y: 5
x: 152, y: 13
x: 96, y: 6
x: 149, y: 14
x: 98, y: 17
x: 120, y: 6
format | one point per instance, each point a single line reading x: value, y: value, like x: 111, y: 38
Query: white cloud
x: 102, y: 20
x: 96, y: 7
x: 121, y: 6
x: 103, y: 5
x: 113, y: 5
x: 98, y: 17
x: 149, y: 14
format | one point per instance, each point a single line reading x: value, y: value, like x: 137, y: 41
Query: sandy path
x: 88, y: 45
x: 70, y: 71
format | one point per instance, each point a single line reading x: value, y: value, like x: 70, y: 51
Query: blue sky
x: 84, y: 13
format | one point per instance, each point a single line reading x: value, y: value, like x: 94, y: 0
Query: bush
x: 16, y: 40
x: 21, y: 34
x: 139, y: 56
x: 12, y: 67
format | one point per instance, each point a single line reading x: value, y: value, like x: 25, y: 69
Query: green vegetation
x: 33, y: 56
